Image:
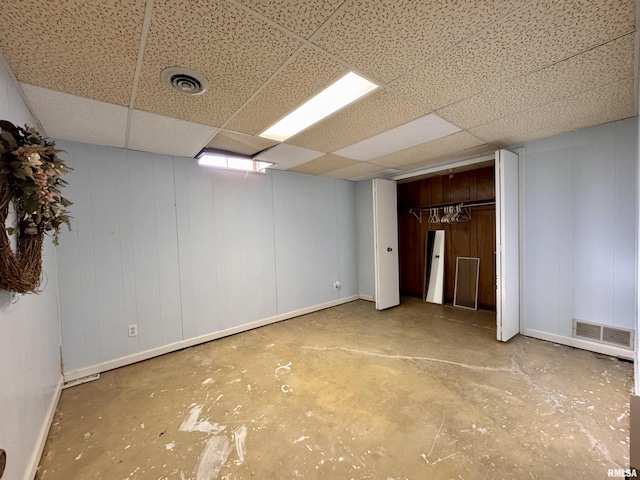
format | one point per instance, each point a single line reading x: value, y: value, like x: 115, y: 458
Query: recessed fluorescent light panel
x: 419, y: 131
x: 337, y: 95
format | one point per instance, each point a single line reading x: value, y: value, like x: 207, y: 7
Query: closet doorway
x: 485, y: 232
x: 473, y: 238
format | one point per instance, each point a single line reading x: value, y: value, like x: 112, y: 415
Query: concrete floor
x: 418, y: 391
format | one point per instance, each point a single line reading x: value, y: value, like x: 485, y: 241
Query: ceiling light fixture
x: 336, y: 96
x: 416, y: 132
x: 185, y: 80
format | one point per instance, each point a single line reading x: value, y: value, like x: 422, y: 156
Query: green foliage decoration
x: 31, y: 182
x: 34, y: 173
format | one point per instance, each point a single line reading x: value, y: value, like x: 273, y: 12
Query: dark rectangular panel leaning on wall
x: 476, y: 238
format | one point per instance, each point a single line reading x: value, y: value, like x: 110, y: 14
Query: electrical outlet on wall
x: 133, y: 330
x: 337, y: 284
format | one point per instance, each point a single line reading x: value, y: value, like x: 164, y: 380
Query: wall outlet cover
x: 133, y: 330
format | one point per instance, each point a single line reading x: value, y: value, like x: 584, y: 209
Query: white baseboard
x: 368, y: 298
x: 81, y: 380
x: 172, y: 347
x: 580, y: 343
x: 32, y: 466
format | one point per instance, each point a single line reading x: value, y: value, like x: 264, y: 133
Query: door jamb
x: 443, y: 167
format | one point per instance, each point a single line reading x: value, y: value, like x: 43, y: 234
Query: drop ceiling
x: 456, y: 78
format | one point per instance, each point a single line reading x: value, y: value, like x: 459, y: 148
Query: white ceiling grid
x: 499, y: 73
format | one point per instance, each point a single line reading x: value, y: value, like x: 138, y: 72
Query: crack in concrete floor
x: 460, y: 405
x: 515, y: 368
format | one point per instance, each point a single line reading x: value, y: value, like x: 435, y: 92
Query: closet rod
x: 477, y: 203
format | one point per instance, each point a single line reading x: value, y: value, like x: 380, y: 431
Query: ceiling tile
x: 168, y: 136
x: 426, y: 151
x: 505, y: 71
x: 569, y: 126
x: 375, y: 113
x: 285, y: 156
x: 358, y: 170
x: 83, y: 48
x: 80, y: 119
x: 380, y: 174
x: 309, y: 73
x: 388, y: 38
x: 421, y: 130
x: 233, y: 49
x: 452, y: 155
x: 538, y: 35
x: 303, y: 18
x: 604, y: 104
x: 324, y: 164
x: 603, y: 65
x: 239, y: 143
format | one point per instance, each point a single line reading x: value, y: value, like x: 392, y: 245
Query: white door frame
x: 465, y: 163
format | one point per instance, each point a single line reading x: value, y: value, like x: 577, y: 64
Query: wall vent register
x: 603, y: 334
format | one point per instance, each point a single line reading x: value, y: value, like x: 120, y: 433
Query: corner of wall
x: 29, y: 341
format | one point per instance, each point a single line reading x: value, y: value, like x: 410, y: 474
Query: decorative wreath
x: 30, y: 182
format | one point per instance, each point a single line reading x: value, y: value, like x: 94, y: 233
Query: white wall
x: 186, y: 251
x: 580, y: 218
x: 366, y: 261
x: 30, y: 378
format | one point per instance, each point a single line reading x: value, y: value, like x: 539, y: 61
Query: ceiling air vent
x: 603, y: 334
x: 184, y: 80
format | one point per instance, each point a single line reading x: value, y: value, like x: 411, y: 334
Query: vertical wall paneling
x: 127, y: 254
x: 167, y: 249
x: 552, y: 211
x: 71, y: 306
x: 30, y: 378
x: 152, y: 210
x: 185, y: 251
x: 485, y: 249
x: 346, y: 239
x: 145, y: 249
x: 219, y: 254
x: 106, y: 247
x: 324, y: 216
x: 305, y: 237
x: 625, y: 252
x: 593, y: 198
x: 579, y: 230
x: 364, y: 206
x: 183, y: 235
x: 197, y: 246
x: 79, y: 291
x: 410, y: 242
x: 466, y: 239
x: 248, y: 248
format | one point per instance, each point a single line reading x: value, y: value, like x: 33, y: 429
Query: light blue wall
x: 579, y: 225
x: 580, y: 214
x: 185, y: 251
x: 366, y: 274
x: 29, y: 342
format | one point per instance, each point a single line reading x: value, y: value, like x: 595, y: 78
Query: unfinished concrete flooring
x: 415, y: 392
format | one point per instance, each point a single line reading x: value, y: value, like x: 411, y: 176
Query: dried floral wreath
x: 30, y: 183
